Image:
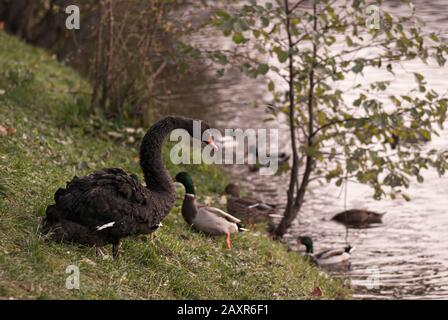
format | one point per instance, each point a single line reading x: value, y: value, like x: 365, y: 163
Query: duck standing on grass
x: 326, y: 257
x: 210, y: 220
x: 248, y: 210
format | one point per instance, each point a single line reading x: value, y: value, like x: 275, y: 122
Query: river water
x: 407, y: 256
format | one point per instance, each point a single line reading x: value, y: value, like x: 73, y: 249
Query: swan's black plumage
x: 115, y: 200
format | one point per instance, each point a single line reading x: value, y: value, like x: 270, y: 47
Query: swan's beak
x: 212, y: 143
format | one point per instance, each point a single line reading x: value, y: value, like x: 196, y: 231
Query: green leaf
x: 395, y: 101
x: 321, y: 118
x: 358, y: 67
x: 405, y: 197
x: 311, y: 151
x: 351, y: 166
x: 425, y: 134
x: 339, y: 182
x: 265, y: 22
x: 434, y: 37
x: 282, y: 56
x: 358, y: 101
x: 262, y: 69
x: 221, y: 58
x: 440, y: 59
x: 238, y: 38
x: 271, y: 86
x: 334, y: 173
x: 418, y: 77
x: 349, y: 41
x: 223, y: 14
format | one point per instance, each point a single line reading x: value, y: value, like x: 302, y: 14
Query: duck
x: 326, y: 257
x: 249, y: 210
x: 358, y: 218
x: 110, y: 204
x: 207, y: 219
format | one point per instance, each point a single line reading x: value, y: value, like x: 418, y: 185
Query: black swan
x: 110, y: 204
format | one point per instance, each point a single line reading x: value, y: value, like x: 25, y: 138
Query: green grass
x: 55, y: 139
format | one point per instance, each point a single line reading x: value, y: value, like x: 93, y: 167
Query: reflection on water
x: 406, y: 256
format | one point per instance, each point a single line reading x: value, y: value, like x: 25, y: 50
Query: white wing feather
x: 222, y: 214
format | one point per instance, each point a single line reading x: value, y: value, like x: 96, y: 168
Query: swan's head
x: 206, y: 133
x: 207, y: 136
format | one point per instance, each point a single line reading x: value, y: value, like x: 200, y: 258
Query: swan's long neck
x: 156, y: 176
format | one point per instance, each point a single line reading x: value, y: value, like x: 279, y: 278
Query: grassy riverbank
x: 48, y: 137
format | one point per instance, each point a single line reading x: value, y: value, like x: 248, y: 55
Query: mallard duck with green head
x: 210, y: 220
x: 326, y: 257
x: 249, y: 210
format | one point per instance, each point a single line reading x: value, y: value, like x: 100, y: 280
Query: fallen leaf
x: 130, y: 130
x: 2, y: 92
x: 27, y: 286
x: 88, y: 261
x: 5, y: 130
x: 115, y: 135
x: 317, y: 292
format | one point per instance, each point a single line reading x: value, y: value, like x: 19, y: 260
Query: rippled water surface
x: 406, y: 256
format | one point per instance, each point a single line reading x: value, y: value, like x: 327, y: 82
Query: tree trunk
x: 295, y: 201
x: 290, y: 211
x: 49, y: 29
x: 108, y: 56
x: 17, y: 15
x: 98, y: 69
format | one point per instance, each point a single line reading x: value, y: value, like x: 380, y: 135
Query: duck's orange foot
x: 228, y: 242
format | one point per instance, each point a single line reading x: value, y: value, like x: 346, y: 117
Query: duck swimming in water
x: 326, y: 257
x: 358, y: 218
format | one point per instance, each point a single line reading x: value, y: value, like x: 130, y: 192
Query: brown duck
x: 249, y: 210
x: 358, y: 218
